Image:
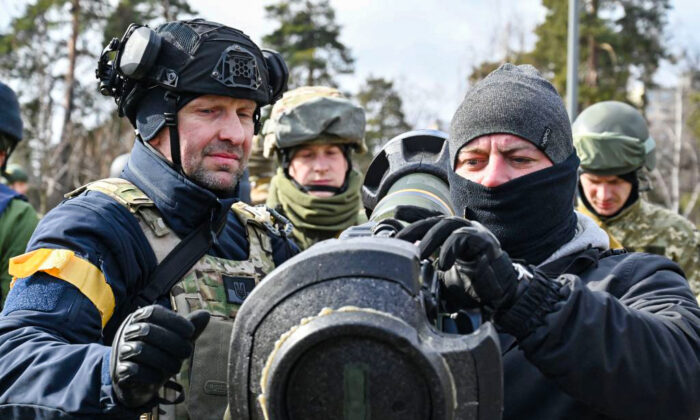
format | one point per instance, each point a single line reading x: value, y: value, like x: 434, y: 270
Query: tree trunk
x: 677, y: 149
x: 70, y: 73
x: 166, y: 11
x: 60, y: 166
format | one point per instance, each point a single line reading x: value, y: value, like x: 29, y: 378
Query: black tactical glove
x: 403, y: 215
x: 477, y: 272
x: 149, y: 348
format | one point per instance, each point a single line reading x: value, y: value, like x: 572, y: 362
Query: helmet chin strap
x: 171, y: 122
x: 3, y: 168
x: 319, y: 188
x: 171, y: 101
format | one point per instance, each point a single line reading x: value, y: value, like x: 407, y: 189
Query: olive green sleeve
x: 17, y: 224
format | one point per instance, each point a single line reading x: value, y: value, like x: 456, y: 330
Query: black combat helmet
x: 154, y: 73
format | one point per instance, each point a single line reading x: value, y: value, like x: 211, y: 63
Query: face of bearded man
x: 215, y: 140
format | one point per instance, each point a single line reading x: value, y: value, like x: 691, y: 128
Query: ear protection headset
x: 172, y: 57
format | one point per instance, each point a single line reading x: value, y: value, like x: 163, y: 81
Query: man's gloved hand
x: 149, y: 348
x: 477, y: 271
x: 403, y: 215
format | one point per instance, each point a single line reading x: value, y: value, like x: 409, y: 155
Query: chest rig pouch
x: 212, y: 283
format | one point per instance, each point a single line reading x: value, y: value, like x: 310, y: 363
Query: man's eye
x: 522, y: 160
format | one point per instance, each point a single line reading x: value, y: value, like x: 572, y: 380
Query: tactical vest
x: 215, y: 284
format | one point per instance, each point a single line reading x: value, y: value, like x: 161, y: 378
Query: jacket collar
x: 588, y: 235
x: 183, y: 204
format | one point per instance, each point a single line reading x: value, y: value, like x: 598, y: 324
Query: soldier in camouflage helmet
x: 613, y: 143
x: 313, y: 130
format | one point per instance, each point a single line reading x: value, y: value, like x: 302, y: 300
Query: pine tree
x: 308, y: 38
x: 49, y: 51
x: 620, y: 41
x: 385, y: 117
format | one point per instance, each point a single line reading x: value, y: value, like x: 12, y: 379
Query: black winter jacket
x: 616, y: 338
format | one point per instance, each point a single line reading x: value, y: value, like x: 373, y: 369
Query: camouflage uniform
x: 612, y: 139
x: 646, y: 227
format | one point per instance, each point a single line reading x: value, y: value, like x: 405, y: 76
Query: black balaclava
x: 532, y: 216
x: 630, y: 177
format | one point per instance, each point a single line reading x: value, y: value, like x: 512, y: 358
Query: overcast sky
x: 426, y: 46
x: 429, y: 46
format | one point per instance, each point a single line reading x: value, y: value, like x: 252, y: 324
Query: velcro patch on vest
x: 215, y: 388
x: 238, y: 288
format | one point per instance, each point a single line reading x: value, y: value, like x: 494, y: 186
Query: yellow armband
x: 65, y: 265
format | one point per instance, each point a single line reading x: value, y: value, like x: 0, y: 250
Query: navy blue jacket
x: 54, y: 353
x: 615, y: 338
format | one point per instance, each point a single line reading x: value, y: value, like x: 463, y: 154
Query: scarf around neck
x: 316, y: 218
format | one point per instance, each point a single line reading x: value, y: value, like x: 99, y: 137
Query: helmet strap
x: 171, y: 122
x: 256, y: 120
x: 3, y: 168
x: 320, y: 188
x: 644, y: 181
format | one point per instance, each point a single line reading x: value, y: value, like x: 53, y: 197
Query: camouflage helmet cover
x: 612, y: 138
x: 314, y: 115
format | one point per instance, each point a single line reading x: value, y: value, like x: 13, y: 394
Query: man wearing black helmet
x: 120, y: 279
x: 586, y: 332
x: 17, y: 217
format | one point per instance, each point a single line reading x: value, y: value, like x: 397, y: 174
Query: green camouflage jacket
x: 646, y: 227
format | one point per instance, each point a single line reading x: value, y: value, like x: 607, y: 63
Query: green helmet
x: 16, y: 173
x: 612, y: 138
x: 314, y: 115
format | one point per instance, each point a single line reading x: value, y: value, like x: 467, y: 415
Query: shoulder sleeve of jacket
x: 55, y: 350
x: 100, y: 232
x: 683, y: 246
x: 19, y: 221
x: 627, y: 341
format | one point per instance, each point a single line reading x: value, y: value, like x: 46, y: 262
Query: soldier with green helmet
x: 614, y: 145
x: 17, y: 178
x: 313, y: 130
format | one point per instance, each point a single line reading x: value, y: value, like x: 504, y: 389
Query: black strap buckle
x: 171, y: 115
x: 170, y: 118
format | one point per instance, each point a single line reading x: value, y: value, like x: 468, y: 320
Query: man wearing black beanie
x: 586, y: 332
